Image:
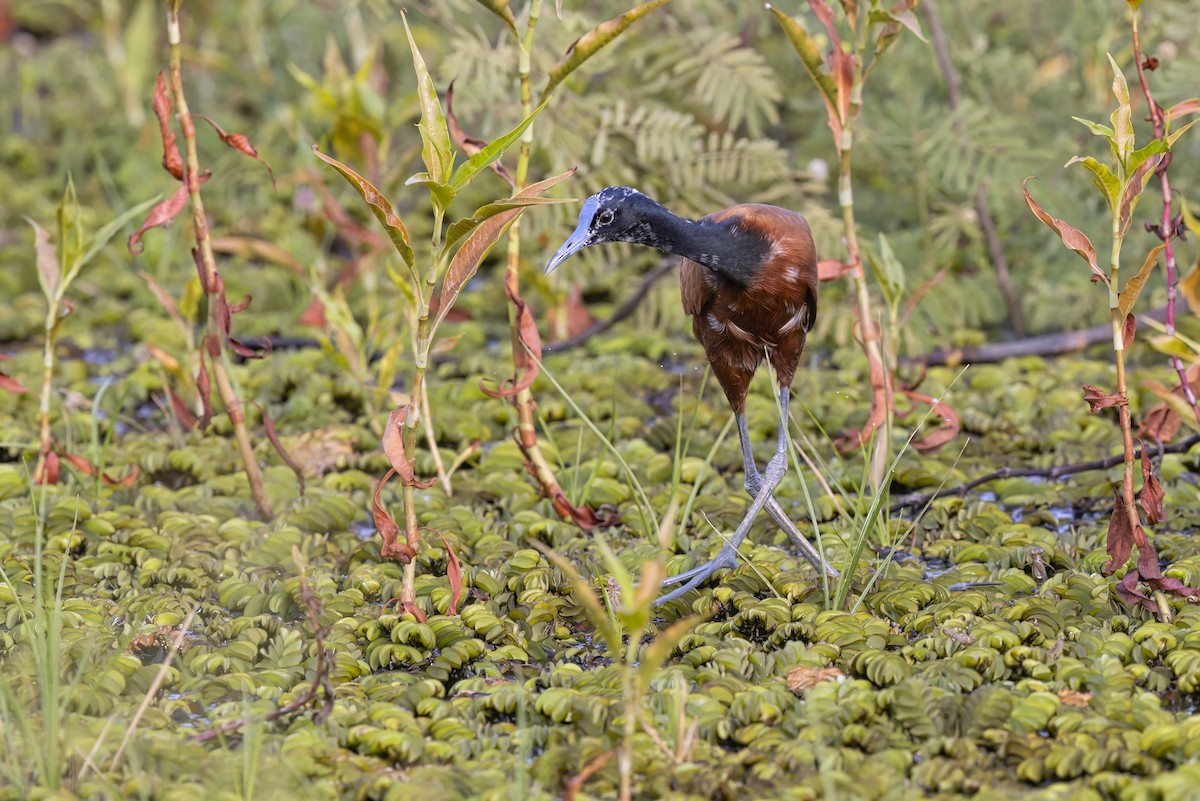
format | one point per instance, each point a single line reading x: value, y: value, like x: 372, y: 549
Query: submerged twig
x: 1058, y: 471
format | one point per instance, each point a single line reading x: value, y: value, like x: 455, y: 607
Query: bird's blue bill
x: 581, y: 238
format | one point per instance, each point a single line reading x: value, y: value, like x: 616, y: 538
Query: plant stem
x: 1122, y: 386
x: 880, y: 376
x: 46, y: 444
x: 527, y: 441
x: 1168, y: 232
x: 216, y: 339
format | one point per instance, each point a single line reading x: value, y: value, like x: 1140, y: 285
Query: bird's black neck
x: 731, y: 251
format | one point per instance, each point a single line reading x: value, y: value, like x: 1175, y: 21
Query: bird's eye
x: 605, y: 217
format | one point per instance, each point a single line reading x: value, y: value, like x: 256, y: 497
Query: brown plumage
x: 749, y: 281
x: 739, y: 325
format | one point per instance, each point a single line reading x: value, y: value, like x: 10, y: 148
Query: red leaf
x: 832, y: 269
x: 944, y: 433
x: 410, y: 608
x: 49, y: 474
x: 1097, y: 399
x: 89, y: 469
x: 314, y: 315
x: 172, y: 161
x: 269, y: 427
x: 1122, y: 536
x: 525, y: 361
x: 182, y: 413
x: 1128, y: 330
x: 1127, y: 590
x: 585, y: 517
x: 1072, y: 237
x: 453, y: 573
x: 1152, y: 496
x: 9, y: 383
x: 386, y: 525
x: 162, y: 214
x: 241, y: 144
x: 393, y: 448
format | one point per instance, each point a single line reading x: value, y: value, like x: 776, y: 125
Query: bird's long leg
x: 760, y: 486
x: 754, y: 481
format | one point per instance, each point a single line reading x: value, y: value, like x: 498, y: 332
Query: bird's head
x: 614, y: 214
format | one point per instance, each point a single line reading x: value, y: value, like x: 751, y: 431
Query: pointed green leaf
x: 1135, y: 184
x: 435, y: 136
x: 904, y: 17
x: 468, y: 224
x: 500, y: 9
x: 469, y: 255
x: 591, y: 42
x: 1133, y: 288
x: 1174, y: 346
x: 492, y: 151
x: 889, y: 271
x: 1137, y: 157
x: 810, y: 57
x: 380, y: 206
x: 656, y: 654
x: 1102, y: 177
x: 1096, y: 128
x: 585, y: 594
x: 104, y: 236
x: 1172, y: 137
x: 70, y: 228
x: 1122, y: 117
x: 1189, y: 219
x: 443, y: 194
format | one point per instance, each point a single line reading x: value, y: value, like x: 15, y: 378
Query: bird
x: 748, y: 280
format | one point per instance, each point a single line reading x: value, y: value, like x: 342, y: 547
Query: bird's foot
x: 691, y: 579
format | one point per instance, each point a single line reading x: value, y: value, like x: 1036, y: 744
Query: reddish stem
x: 1167, y: 232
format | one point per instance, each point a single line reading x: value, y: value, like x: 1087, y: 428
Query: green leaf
x: 1172, y: 137
x: 1102, y: 176
x: 1133, y: 288
x: 810, y: 56
x: 103, y: 236
x: 443, y: 194
x: 500, y: 8
x: 1096, y: 128
x: 1139, y: 156
x: 889, y: 271
x: 655, y: 654
x: 1122, y: 117
x: 468, y: 224
x: 1135, y: 184
x: 905, y: 17
x: 379, y: 206
x: 585, y: 593
x: 70, y: 228
x: 591, y: 42
x: 1189, y: 219
x: 1175, y: 346
x: 492, y: 151
x: 435, y: 136
x: 469, y: 255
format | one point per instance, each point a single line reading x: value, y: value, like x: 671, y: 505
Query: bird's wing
x: 693, y: 287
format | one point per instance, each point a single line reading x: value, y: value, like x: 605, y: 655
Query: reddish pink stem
x: 1168, y: 230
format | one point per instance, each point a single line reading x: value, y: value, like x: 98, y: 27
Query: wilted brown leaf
x: 393, y: 448
x: 88, y: 469
x: 525, y: 361
x: 1097, y: 399
x: 1072, y: 237
x: 172, y: 161
x: 240, y: 143
x: 1122, y: 536
x: 1152, y: 496
x: 162, y: 214
x: 1075, y: 697
x: 802, y: 679
x: 1128, y: 330
x: 389, y: 531
x: 945, y: 432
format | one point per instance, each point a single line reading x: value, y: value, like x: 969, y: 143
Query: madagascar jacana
x: 749, y: 283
